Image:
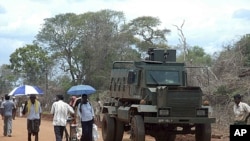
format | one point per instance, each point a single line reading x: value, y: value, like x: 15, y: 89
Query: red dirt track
x: 47, y: 132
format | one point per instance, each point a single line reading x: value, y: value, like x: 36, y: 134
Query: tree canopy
x: 30, y: 61
x: 85, y: 45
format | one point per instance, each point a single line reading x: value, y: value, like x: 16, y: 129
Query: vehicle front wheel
x: 119, y: 130
x: 108, y: 128
x: 137, y: 129
x: 203, y: 132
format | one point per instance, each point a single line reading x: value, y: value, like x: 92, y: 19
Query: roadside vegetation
x: 75, y: 49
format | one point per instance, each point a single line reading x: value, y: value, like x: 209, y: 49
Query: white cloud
x: 208, y: 23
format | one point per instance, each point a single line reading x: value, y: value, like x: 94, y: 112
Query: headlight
x: 201, y: 112
x: 164, y: 112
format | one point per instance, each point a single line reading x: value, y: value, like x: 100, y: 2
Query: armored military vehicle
x: 152, y: 97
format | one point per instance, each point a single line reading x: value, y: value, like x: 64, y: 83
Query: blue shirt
x: 8, y: 106
x: 86, y: 113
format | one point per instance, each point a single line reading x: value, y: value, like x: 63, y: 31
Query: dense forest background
x: 75, y: 49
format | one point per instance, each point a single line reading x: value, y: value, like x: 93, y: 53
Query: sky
x: 209, y: 24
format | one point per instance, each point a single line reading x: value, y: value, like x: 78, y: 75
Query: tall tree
x: 85, y: 45
x: 60, y: 35
x: 30, y: 61
x: 147, y: 33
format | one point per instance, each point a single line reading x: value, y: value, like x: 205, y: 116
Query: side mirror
x: 131, y: 77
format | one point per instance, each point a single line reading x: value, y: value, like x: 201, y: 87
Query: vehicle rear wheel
x: 119, y: 129
x: 137, y: 129
x: 203, y: 132
x: 108, y: 128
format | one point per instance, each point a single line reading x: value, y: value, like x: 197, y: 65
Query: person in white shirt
x: 86, y: 113
x: 33, y: 109
x: 60, y: 111
x: 241, y: 110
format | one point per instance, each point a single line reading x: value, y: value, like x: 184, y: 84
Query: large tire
x: 108, y: 128
x: 203, y: 132
x: 169, y: 137
x: 119, y: 130
x: 137, y: 129
x: 165, y: 134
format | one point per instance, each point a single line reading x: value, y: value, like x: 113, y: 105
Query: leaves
x: 86, y: 43
x: 147, y: 33
x: 30, y: 60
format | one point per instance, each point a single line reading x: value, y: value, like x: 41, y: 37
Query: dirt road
x: 47, y: 133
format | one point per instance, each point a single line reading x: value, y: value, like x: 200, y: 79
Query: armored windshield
x: 163, y: 77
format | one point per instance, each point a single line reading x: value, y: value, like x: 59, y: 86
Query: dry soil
x: 47, y: 134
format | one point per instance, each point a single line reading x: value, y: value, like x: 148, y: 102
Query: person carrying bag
x: 86, y: 114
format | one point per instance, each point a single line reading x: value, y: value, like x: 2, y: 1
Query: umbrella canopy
x: 26, y: 90
x: 81, y: 89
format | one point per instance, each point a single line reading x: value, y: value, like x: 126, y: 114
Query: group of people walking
x: 60, y: 110
x: 80, y: 107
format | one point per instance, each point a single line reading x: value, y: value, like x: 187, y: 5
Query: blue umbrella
x: 26, y: 90
x: 81, y: 89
